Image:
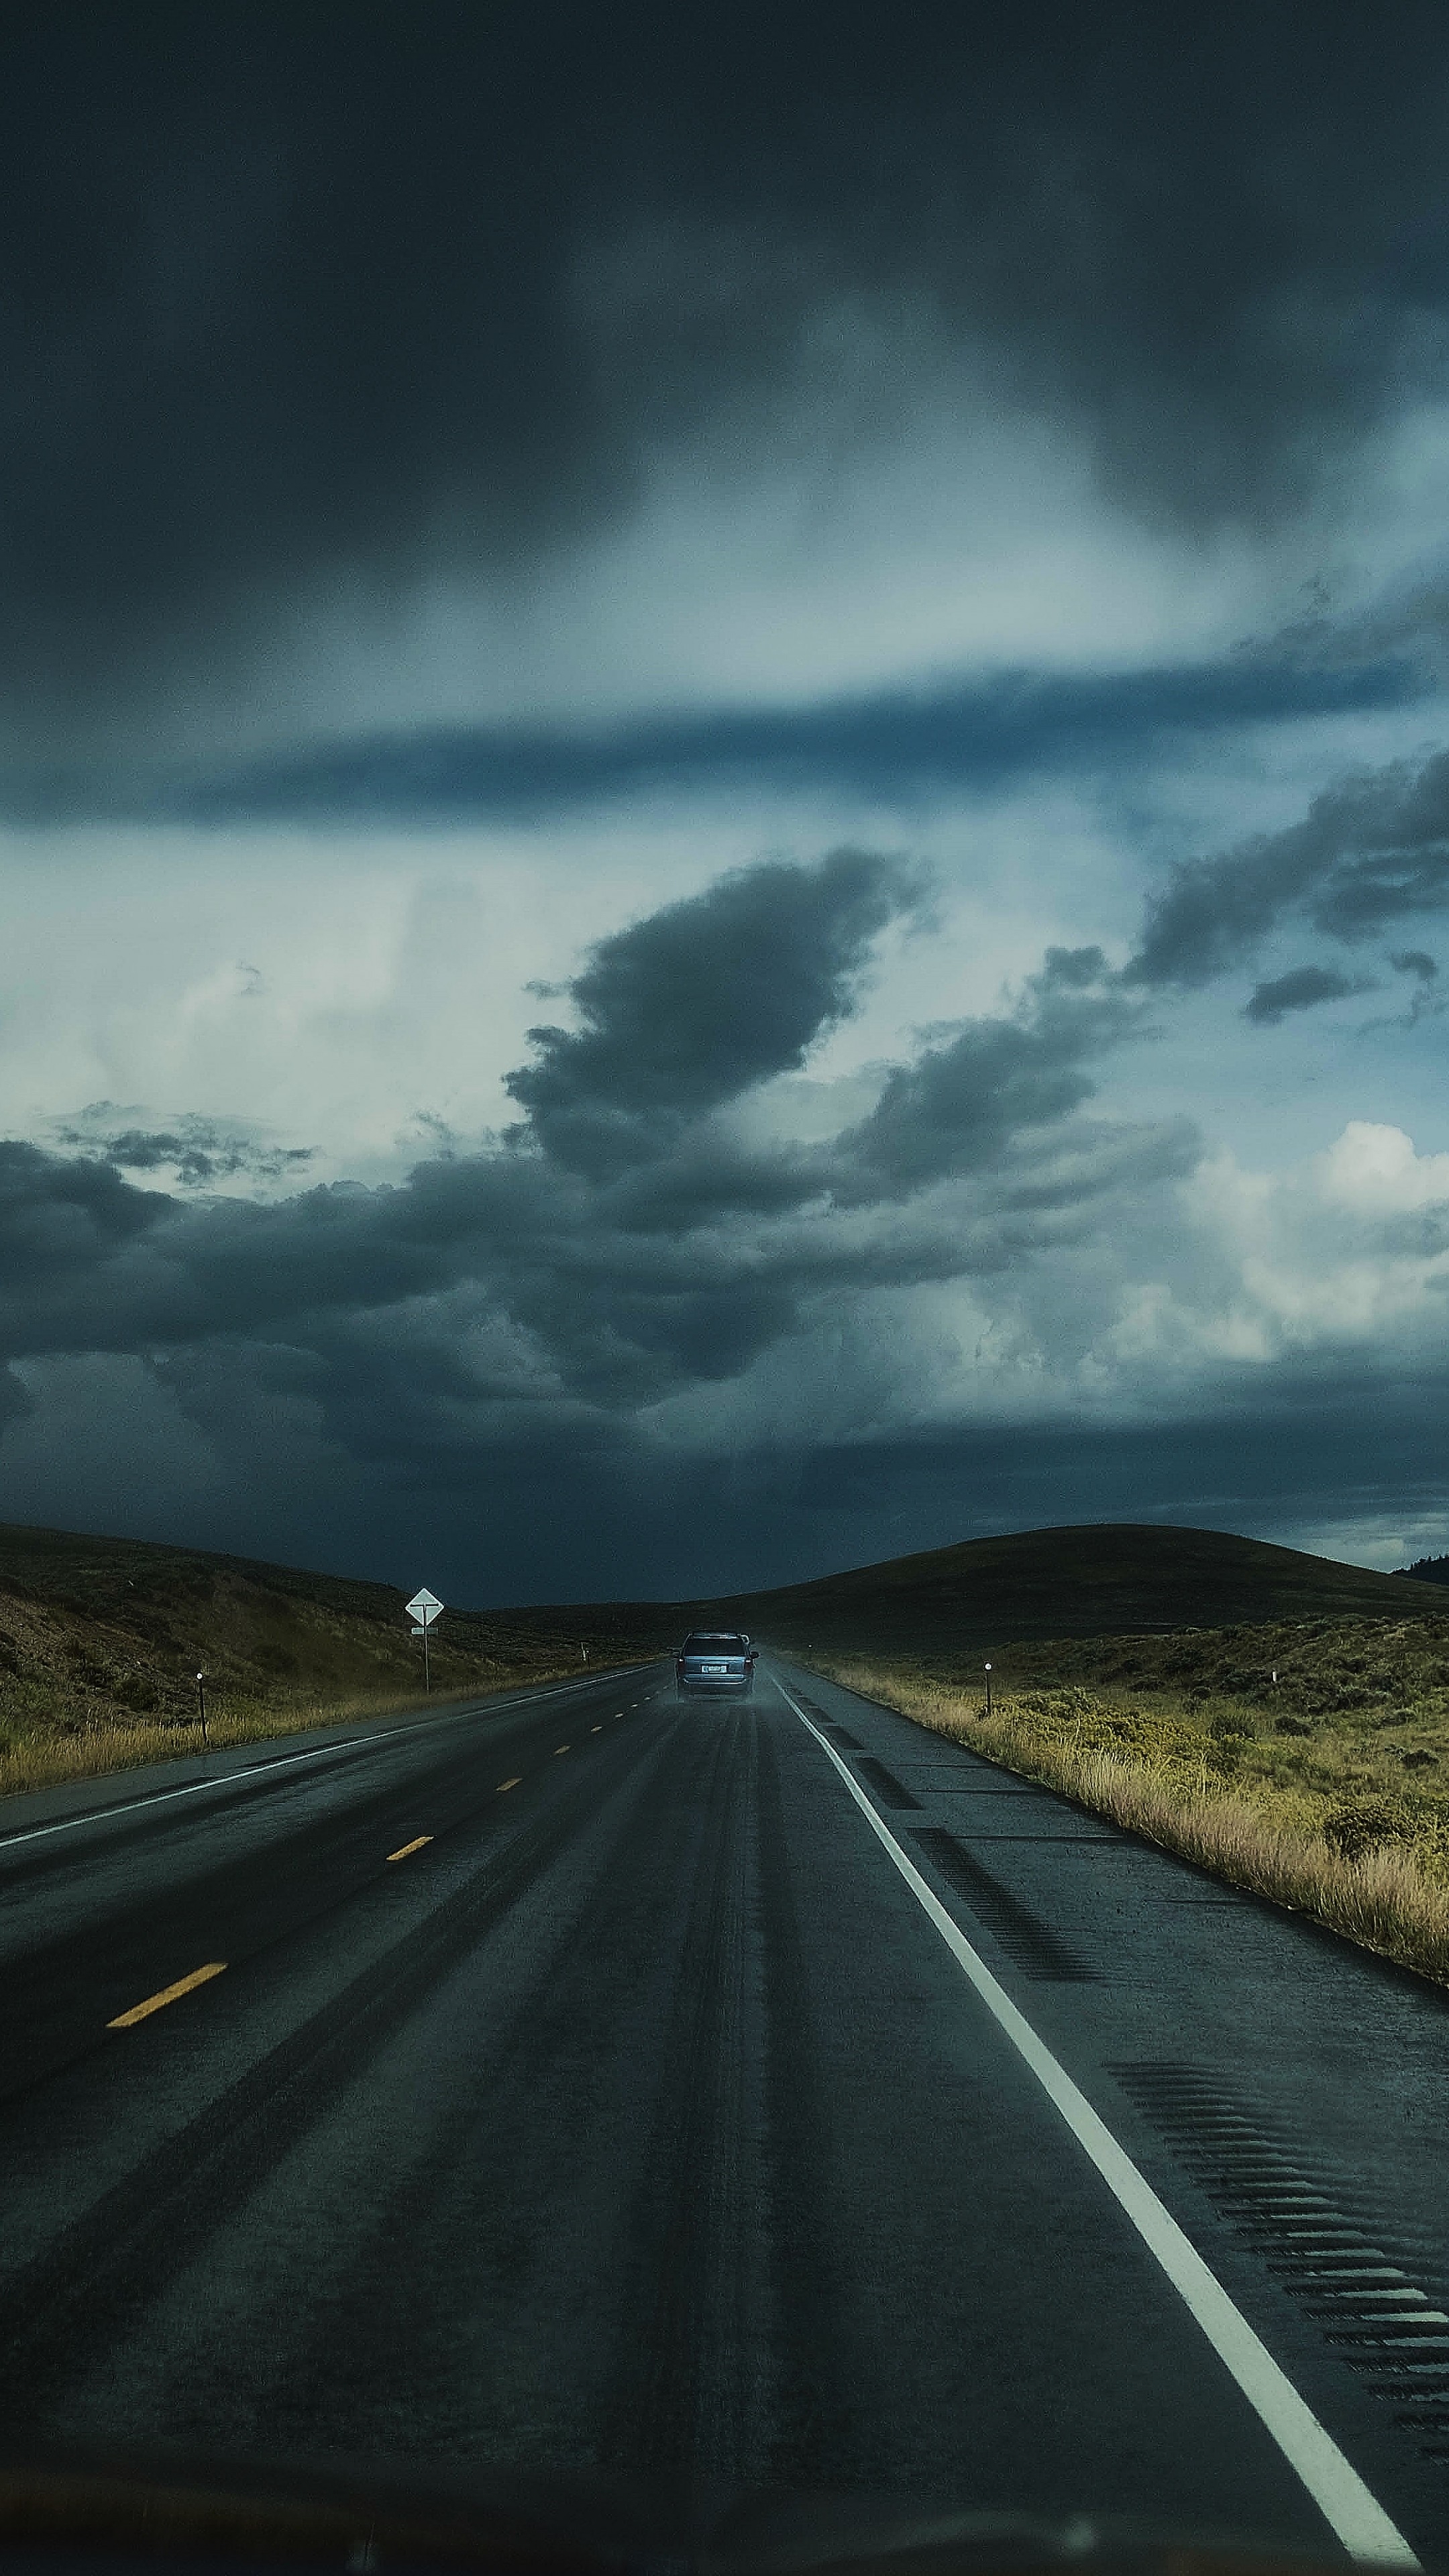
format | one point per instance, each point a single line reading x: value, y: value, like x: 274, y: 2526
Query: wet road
x: 583, y: 2083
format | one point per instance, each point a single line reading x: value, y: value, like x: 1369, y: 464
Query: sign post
x: 423, y: 1609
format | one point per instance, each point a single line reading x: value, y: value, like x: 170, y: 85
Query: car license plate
x: 712, y: 1669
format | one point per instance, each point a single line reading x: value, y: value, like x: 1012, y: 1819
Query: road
x: 586, y: 2084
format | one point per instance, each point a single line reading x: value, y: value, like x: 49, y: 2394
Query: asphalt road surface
x: 777, y: 2093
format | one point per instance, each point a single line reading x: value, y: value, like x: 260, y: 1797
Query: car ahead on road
x: 713, y: 1661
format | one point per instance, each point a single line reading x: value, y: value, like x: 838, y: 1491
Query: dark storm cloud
x: 1259, y: 1467
x: 622, y: 1241
x: 901, y: 743
x: 1371, y: 851
x: 297, y: 291
x: 959, y: 1104
x: 698, y: 1003
x: 490, y: 1342
x: 1300, y: 990
x: 787, y: 1509
x: 202, y: 1151
x: 62, y: 1220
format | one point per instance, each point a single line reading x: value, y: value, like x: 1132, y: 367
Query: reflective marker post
x: 201, y: 1704
x: 988, y: 1690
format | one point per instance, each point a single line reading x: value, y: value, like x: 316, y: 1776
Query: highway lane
x: 244, y: 1855
x: 636, y: 2116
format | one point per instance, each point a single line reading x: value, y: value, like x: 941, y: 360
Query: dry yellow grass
x: 101, y: 1642
x: 46, y: 1760
x: 1333, y: 1847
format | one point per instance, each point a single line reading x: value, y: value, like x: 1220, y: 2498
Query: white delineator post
x: 423, y: 1609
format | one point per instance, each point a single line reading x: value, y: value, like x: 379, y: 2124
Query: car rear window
x: 703, y: 1645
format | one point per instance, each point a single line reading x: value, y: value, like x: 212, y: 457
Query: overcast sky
x: 724, y: 770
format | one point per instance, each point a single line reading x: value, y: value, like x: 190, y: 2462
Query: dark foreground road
x: 650, y: 2114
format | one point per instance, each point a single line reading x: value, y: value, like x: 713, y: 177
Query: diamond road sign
x: 424, y: 1608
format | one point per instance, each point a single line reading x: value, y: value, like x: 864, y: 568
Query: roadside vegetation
x: 39, y: 1748
x: 101, y: 1641
x: 1306, y: 1761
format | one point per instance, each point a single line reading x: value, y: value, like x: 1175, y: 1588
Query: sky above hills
x: 725, y: 783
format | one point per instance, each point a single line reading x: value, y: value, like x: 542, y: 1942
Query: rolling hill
x: 101, y: 1638
x: 1104, y: 1579
x: 100, y: 1633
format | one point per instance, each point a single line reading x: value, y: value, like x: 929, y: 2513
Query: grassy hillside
x: 1278, y: 1718
x: 1096, y: 1581
x: 1307, y: 1759
x: 101, y: 1640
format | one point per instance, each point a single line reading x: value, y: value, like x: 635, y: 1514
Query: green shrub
x: 1353, y: 1827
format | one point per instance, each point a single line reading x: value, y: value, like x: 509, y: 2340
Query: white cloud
x: 1160, y: 1297
x: 1273, y: 1266
x: 1374, y: 1170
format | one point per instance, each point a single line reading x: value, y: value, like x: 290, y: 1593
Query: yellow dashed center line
x: 596, y: 1730
x: 558, y: 1749
x: 409, y: 1848
x: 168, y: 1995
x: 509, y: 1784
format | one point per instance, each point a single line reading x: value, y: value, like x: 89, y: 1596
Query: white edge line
x: 278, y: 1762
x: 1352, y: 2511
